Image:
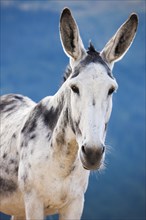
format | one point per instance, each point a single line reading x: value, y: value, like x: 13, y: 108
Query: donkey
x: 48, y: 148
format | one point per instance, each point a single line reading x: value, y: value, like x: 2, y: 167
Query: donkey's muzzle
x: 91, y: 158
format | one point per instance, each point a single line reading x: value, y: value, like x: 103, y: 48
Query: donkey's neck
x: 63, y: 140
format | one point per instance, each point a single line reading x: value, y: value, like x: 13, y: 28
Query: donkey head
x: 91, y: 85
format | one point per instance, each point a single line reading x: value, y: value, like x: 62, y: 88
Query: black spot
x: 14, y: 135
x: 12, y: 161
x: 7, y: 186
x: 47, y: 207
x: 51, y: 117
x: 32, y: 136
x: 4, y: 155
x: 93, y: 102
x: 16, y: 169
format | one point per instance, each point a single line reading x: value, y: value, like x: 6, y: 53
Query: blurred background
x: 32, y: 63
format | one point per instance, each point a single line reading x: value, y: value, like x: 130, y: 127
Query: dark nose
x: 91, y: 157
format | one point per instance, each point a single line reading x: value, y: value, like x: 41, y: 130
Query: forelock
x: 93, y: 56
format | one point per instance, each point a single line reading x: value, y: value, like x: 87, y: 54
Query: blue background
x: 32, y: 64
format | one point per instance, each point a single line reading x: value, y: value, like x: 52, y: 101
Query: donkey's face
x: 91, y: 105
x: 91, y: 85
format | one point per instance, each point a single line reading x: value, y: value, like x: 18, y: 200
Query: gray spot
x: 68, y: 151
x: 24, y: 177
x: 31, y: 152
x: 77, y: 129
x: 7, y: 170
x: 22, y: 144
x: 67, y: 73
x: 76, y: 72
x: 5, y: 104
x: 7, y: 186
x: 47, y: 157
x: 48, y: 136
x: 9, y: 103
x: 73, y: 168
x: 60, y: 139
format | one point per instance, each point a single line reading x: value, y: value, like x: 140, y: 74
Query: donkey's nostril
x: 83, y: 149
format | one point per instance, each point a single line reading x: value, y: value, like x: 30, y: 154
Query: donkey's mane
x: 91, y: 51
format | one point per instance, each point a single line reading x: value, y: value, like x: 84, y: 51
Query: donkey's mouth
x: 90, y: 165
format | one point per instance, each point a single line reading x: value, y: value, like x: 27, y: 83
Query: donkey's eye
x: 75, y: 89
x: 111, y: 90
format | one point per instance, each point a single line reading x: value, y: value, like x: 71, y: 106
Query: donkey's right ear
x: 70, y: 37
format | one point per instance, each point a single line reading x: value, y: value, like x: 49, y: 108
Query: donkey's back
x: 14, y: 109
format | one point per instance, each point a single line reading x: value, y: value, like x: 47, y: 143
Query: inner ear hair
x: 70, y: 36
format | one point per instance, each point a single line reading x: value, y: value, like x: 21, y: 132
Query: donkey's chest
x: 58, y: 191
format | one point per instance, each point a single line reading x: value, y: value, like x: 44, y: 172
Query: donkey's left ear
x: 70, y: 37
x: 118, y: 45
